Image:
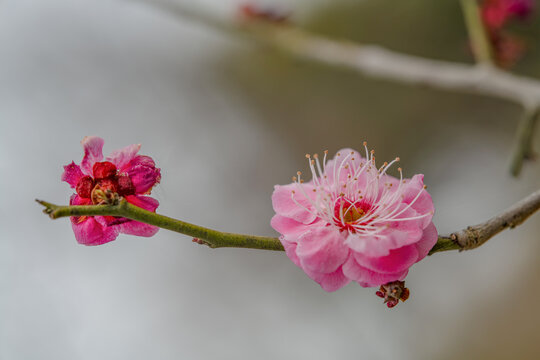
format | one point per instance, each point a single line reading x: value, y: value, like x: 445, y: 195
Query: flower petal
x: 283, y: 203
x: 90, y: 232
x: 398, y: 260
x: 330, y: 282
x: 144, y: 202
x: 428, y: 240
x: 369, y: 278
x: 111, y: 220
x: 287, y: 226
x: 380, y: 244
x: 137, y: 228
x: 407, y: 225
x: 72, y: 174
x: 77, y: 200
x: 93, y: 152
x: 290, y: 250
x: 87, y: 229
x: 133, y: 227
x: 122, y: 157
x: 322, y: 249
x: 424, y: 203
x: 143, y: 173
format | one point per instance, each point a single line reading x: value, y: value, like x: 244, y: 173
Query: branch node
x: 204, y: 242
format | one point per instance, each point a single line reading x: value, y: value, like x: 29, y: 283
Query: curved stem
x: 466, y: 239
x: 212, y: 238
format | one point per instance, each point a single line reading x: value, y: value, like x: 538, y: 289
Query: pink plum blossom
x: 353, y: 221
x: 122, y: 174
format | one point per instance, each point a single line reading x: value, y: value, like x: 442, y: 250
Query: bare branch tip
x: 49, y: 208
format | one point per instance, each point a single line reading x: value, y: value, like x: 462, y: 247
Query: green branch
x: 212, y: 238
x: 469, y: 238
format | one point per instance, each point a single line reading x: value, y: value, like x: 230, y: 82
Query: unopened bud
x: 393, y: 292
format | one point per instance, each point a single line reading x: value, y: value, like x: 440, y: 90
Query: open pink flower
x: 122, y: 174
x: 352, y: 221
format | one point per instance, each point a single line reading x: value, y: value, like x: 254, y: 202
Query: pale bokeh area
x: 226, y: 120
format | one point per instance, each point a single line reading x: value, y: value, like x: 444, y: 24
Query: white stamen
x: 362, y: 189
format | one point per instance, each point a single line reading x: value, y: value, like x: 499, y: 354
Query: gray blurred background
x: 226, y: 120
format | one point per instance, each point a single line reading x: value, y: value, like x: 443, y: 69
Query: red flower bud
x: 85, y: 186
x: 104, y: 170
x: 393, y: 292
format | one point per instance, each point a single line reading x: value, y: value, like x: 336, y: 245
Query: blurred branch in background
x: 523, y: 148
x: 377, y: 62
x: 467, y: 239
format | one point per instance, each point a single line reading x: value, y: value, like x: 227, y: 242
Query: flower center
x: 348, y: 213
x: 106, y: 185
x: 352, y: 214
x: 105, y: 192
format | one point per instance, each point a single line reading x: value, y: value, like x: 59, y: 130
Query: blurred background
x: 226, y: 120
